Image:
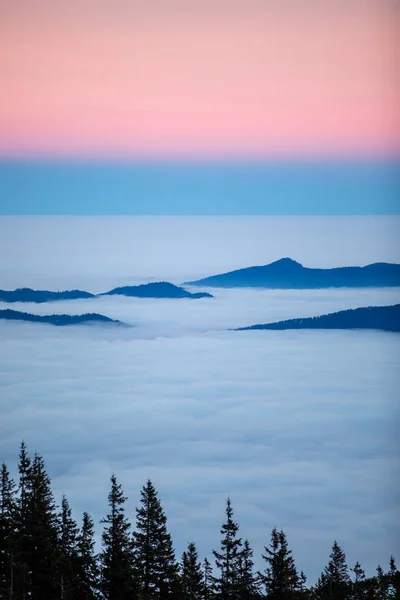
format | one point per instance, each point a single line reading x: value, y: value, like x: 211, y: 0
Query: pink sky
x: 199, y: 77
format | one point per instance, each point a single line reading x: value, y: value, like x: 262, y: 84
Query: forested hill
x: 16, y: 315
x: 289, y: 274
x: 46, y: 555
x: 386, y: 318
x: 39, y: 296
x: 161, y: 289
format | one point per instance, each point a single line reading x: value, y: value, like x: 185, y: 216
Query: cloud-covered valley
x: 299, y: 427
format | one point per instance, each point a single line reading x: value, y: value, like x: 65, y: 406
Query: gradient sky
x: 204, y: 77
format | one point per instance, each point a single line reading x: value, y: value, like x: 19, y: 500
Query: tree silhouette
x: 7, y: 533
x: 281, y: 579
x: 154, y: 557
x: 334, y: 582
x: 191, y: 574
x: 227, y: 560
x: 88, y: 570
x: 208, y: 581
x: 116, y: 580
x: 248, y: 582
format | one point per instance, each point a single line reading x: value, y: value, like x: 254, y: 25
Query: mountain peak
x: 156, y: 289
x: 286, y: 263
x: 287, y: 273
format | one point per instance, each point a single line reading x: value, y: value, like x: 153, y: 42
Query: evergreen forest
x: 46, y: 555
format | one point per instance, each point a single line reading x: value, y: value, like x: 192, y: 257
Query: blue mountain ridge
x: 161, y: 289
x: 287, y: 273
x: 385, y: 318
x: 59, y: 320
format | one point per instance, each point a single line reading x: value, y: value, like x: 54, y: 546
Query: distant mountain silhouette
x: 386, y: 318
x: 39, y: 296
x: 289, y: 274
x: 16, y: 315
x: 161, y: 289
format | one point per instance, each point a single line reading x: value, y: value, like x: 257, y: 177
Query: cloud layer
x: 299, y: 427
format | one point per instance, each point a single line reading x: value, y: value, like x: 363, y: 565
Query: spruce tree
x: 7, y: 533
x: 227, y: 560
x: 22, y: 548
x: 334, y: 582
x: 248, y: 582
x: 68, y: 553
x: 281, y: 579
x: 381, y: 583
x: 191, y: 574
x: 208, y: 593
x: 88, y: 571
x: 304, y: 592
x: 155, y: 564
x: 116, y: 580
x: 42, y: 529
x: 387, y: 585
x: 393, y: 577
x: 358, y: 585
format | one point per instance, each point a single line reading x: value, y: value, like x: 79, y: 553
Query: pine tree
x: 281, y: 579
x: 393, y: 577
x: 7, y: 533
x: 208, y: 593
x: 388, y: 584
x: 116, y: 580
x: 228, y: 559
x: 68, y: 553
x: 248, y: 583
x: 88, y: 571
x: 155, y: 564
x: 24, y: 470
x: 44, y: 527
x: 191, y: 574
x: 369, y: 588
x: 334, y: 582
x: 37, y: 526
x: 358, y: 586
x: 36, y: 532
x: 304, y: 592
x: 23, y: 542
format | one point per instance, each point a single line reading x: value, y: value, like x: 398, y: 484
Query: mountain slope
x: 161, y: 289
x: 386, y: 318
x: 289, y: 274
x: 15, y: 315
x: 39, y: 296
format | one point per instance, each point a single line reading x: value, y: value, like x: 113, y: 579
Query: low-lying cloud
x: 298, y: 427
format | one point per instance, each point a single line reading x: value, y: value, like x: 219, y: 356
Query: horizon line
x: 201, y: 159
x: 206, y: 215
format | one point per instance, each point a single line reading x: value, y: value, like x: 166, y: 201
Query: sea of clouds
x: 300, y: 428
